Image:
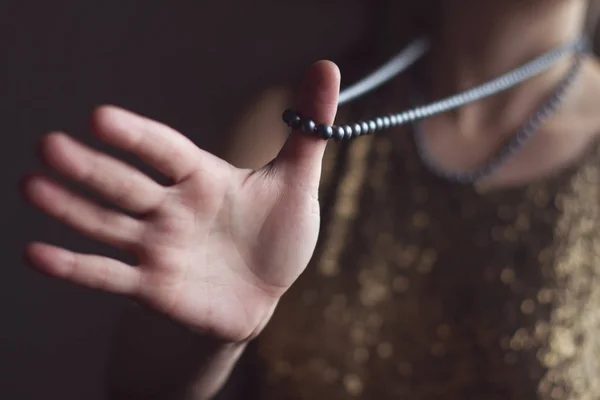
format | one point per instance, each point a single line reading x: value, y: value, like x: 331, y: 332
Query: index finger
x: 162, y: 147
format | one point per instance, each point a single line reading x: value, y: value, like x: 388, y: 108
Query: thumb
x: 300, y: 158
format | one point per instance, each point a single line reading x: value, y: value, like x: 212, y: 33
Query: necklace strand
x: 512, y: 146
x: 504, y: 82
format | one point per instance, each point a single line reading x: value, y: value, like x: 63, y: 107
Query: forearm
x: 153, y: 358
x: 211, y: 376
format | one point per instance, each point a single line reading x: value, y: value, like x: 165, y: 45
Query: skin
x: 219, y: 246
x: 214, y: 249
x: 467, y: 137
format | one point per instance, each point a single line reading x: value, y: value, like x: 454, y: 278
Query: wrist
x: 264, y: 321
x: 230, y: 334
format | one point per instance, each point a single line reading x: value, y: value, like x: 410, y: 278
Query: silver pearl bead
x: 364, y: 128
x: 348, y: 132
x: 386, y: 122
x: 372, y: 126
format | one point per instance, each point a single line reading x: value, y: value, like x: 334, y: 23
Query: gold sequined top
x: 422, y: 289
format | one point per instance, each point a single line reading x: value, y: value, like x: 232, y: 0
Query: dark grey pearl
x: 379, y: 122
x: 386, y: 122
x: 372, y: 126
x: 325, y: 131
x: 338, y: 133
x: 308, y: 126
x: 297, y: 123
x: 364, y: 128
x: 290, y: 116
x: 357, y: 129
x: 349, y: 132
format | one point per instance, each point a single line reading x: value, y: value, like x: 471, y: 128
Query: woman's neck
x: 480, y: 40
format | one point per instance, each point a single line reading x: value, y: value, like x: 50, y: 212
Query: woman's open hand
x: 216, y: 249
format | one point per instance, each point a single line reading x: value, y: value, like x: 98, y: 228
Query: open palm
x: 218, y: 247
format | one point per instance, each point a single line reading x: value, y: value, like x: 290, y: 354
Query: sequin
x: 528, y: 306
x: 401, y: 284
x: 385, y: 350
x: 353, y: 384
x: 507, y: 276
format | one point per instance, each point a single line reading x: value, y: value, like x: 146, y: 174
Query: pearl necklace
x: 408, y: 57
x: 512, y: 146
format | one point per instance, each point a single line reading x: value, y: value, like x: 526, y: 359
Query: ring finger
x: 81, y: 214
